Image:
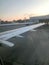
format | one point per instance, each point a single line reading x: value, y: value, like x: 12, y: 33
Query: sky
x: 21, y: 9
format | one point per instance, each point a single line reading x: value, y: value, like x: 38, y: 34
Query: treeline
x: 14, y: 21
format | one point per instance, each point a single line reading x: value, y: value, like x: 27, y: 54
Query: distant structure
x: 39, y: 19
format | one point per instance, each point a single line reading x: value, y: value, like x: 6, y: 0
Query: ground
x: 32, y: 49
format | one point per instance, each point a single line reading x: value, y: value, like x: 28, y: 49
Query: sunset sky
x: 19, y: 9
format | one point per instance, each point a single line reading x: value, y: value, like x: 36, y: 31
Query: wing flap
x: 10, y: 44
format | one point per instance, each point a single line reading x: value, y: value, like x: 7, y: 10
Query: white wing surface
x: 16, y: 32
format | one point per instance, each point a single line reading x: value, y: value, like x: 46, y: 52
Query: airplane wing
x: 4, y: 36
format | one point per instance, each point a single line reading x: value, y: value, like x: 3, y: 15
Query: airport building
x: 40, y: 19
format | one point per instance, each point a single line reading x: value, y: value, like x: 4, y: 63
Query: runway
x: 10, y: 27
